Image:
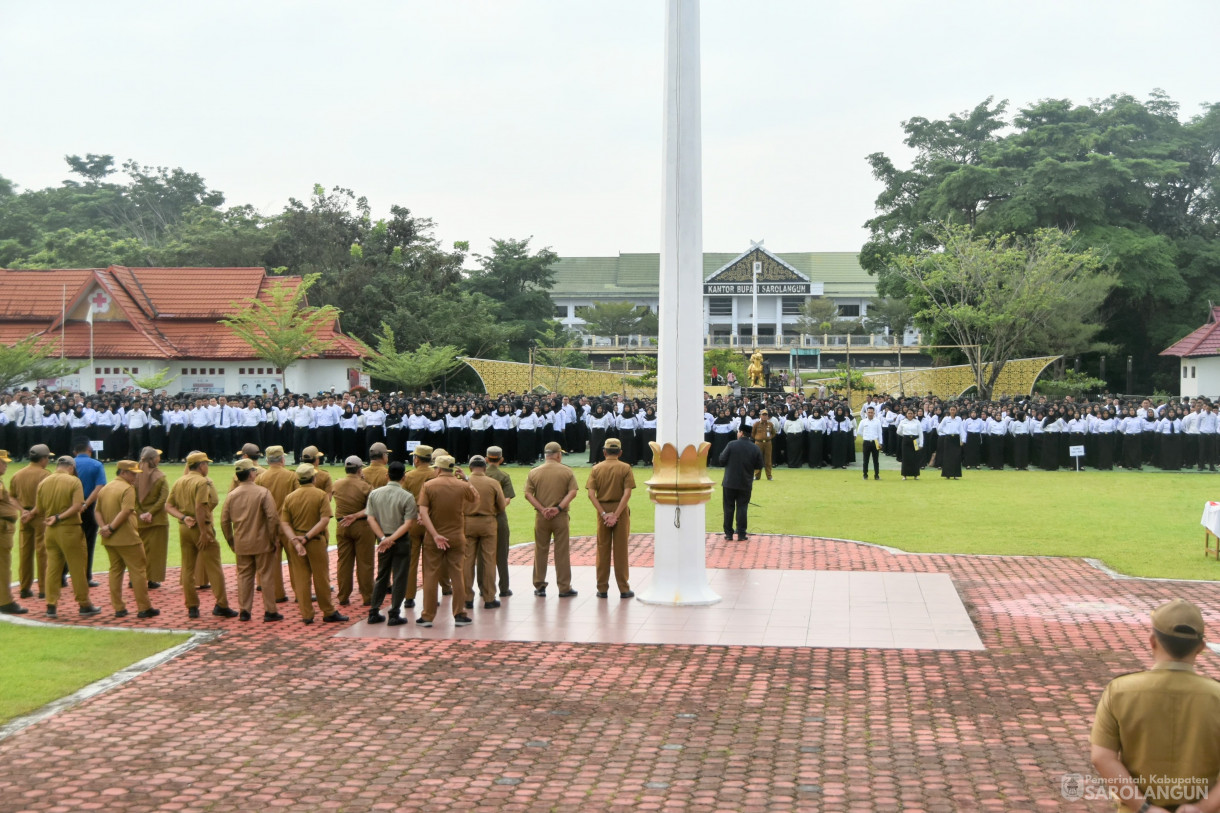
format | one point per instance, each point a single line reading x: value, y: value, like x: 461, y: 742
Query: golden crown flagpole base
x: 680, y: 489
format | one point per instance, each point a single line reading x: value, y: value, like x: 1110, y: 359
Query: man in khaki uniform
x: 550, y: 488
x: 10, y: 511
x: 1154, y: 735
x: 281, y: 482
x: 376, y: 474
x: 322, y: 478
x: 32, y: 558
x: 307, y: 513
x: 115, y: 513
x: 252, y: 527
x: 413, y: 481
x: 248, y: 451
x: 192, y: 501
x: 481, y: 535
x: 763, y: 434
x: 610, y: 484
x: 152, y: 490
x: 495, y: 456
x: 59, y: 501
x: 354, y: 537
x: 442, y: 511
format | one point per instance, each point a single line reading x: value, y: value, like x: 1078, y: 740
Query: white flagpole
x: 89, y: 319
x: 63, y: 321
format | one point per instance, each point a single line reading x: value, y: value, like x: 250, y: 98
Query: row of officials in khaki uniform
x: 431, y: 514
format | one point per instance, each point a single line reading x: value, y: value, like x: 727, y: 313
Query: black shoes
x: 283, y: 600
x: 396, y: 621
x: 448, y: 592
x: 422, y: 622
x: 628, y: 594
x: 154, y: 585
x: 224, y: 612
x: 462, y: 620
x: 876, y: 476
x: 409, y: 603
x: 567, y: 594
x: 192, y: 612
x: 92, y: 583
x: 120, y: 613
x: 343, y: 602
x: 272, y: 617
x: 203, y: 587
x: 505, y: 593
x: 13, y: 608
x: 306, y: 620
x: 742, y: 538
x: 90, y: 610
x: 334, y: 618
x: 728, y: 537
x: 540, y: 592
x: 470, y: 605
x: 30, y: 593
x: 866, y: 477
x: 602, y: 594
x: 376, y: 617
x: 52, y: 612
x: 243, y: 616
x: 490, y: 605
x: 151, y: 612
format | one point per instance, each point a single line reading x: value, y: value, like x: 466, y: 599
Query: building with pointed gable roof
x: 145, y: 320
x: 1200, y: 355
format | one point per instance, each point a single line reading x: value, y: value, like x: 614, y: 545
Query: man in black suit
x: 741, y: 458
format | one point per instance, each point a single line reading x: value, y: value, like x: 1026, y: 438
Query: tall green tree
x: 1000, y: 298
x: 618, y: 319
x: 410, y: 369
x: 1130, y: 177
x: 31, y: 359
x: 518, y: 281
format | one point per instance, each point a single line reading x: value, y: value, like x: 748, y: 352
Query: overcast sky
x: 509, y: 118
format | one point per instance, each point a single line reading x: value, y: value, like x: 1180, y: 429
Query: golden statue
x: 755, y: 370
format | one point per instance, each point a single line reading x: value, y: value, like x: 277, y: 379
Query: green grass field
x: 55, y: 662
x: 1139, y: 523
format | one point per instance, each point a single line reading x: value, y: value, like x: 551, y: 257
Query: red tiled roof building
x: 1200, y: 355
x: 149, y: 319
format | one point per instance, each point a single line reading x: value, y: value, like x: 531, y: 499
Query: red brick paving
x: 285, y: 716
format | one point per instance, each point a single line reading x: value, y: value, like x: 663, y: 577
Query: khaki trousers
x: 436, y: 561
x: 201, y: 572
x: 66, y: 548
x: 264, y: 566
x: 544, y: 530
x: 481, y: 535
x: 612, y: 544
x: 764, y: 446
x: 33, y: 549
x: 192, y: 557
x: 132, y: 559
x: 418, y: 533
x: 7, y: 527
x: 156, y: 549
x: 313, y: 567
x: 356, y: 544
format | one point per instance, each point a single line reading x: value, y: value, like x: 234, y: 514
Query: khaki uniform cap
x: 4, y: 456
x: 305, y: 473
x: 250, y: 450
x: 444, y: 462
x: 378, y: 449
x: 311, y: 453
x: 354, y: 460
x: 613, y: 443
x: 197, y: 457
x: 245, y: 465
x: 1178, y: 619
x: 128, y: 465
x: 275, y: 451
x: 496, y: 452
x: 40, y: 450
x: 552, y: 447
x: 423, y: 452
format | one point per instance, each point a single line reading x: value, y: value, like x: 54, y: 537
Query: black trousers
x: 736, y: 500
x: 871, y: 450
x: 88, y: 524
x: 396, y: 562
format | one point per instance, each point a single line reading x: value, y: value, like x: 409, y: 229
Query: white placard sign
x: 97, y: 445
x: 411, y: 445
x: 1075, y: 451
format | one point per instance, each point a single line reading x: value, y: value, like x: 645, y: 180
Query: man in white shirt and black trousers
x: 871, y: 432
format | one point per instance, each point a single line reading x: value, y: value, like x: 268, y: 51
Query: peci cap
x: 478, y: 460
x: 4, y: 458
x: 552, y: 448
x: 443, y: 462
x: 245, y: 465
x: 1178, y: 619
x: 250, y: 450
x: 197, y: 457
x: 305, y: 473
x: 128, y: 465
x: 66, y: 460
x: 40, y: 450
x: 378, y: 449
x: 613, y: 443
x: 423, y: 452
x: 275, y: 451
x: 311, y: 453
x: 353, y: 460
x: 148, y: 453
x: 495, y: 453
x: 763, y: 412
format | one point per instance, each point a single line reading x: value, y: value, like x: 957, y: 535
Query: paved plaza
x: 295, y: 717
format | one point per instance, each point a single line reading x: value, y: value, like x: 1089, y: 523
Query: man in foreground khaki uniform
x: 353, y: 536
x: 152, y: 491
x: 307, y: 514
x: 550, y: 488
x: 442, y: 512
x: 192, y: 501
x: 376, y: 474
x: 59, y: 501
x: 610, y: 484
x: 252, y: 527
x: 32, y: 558
x: 115, y: 513
x: 495, y: 456
x: 481, y: 535
x: 10, y: 512
x: 280, y: 481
